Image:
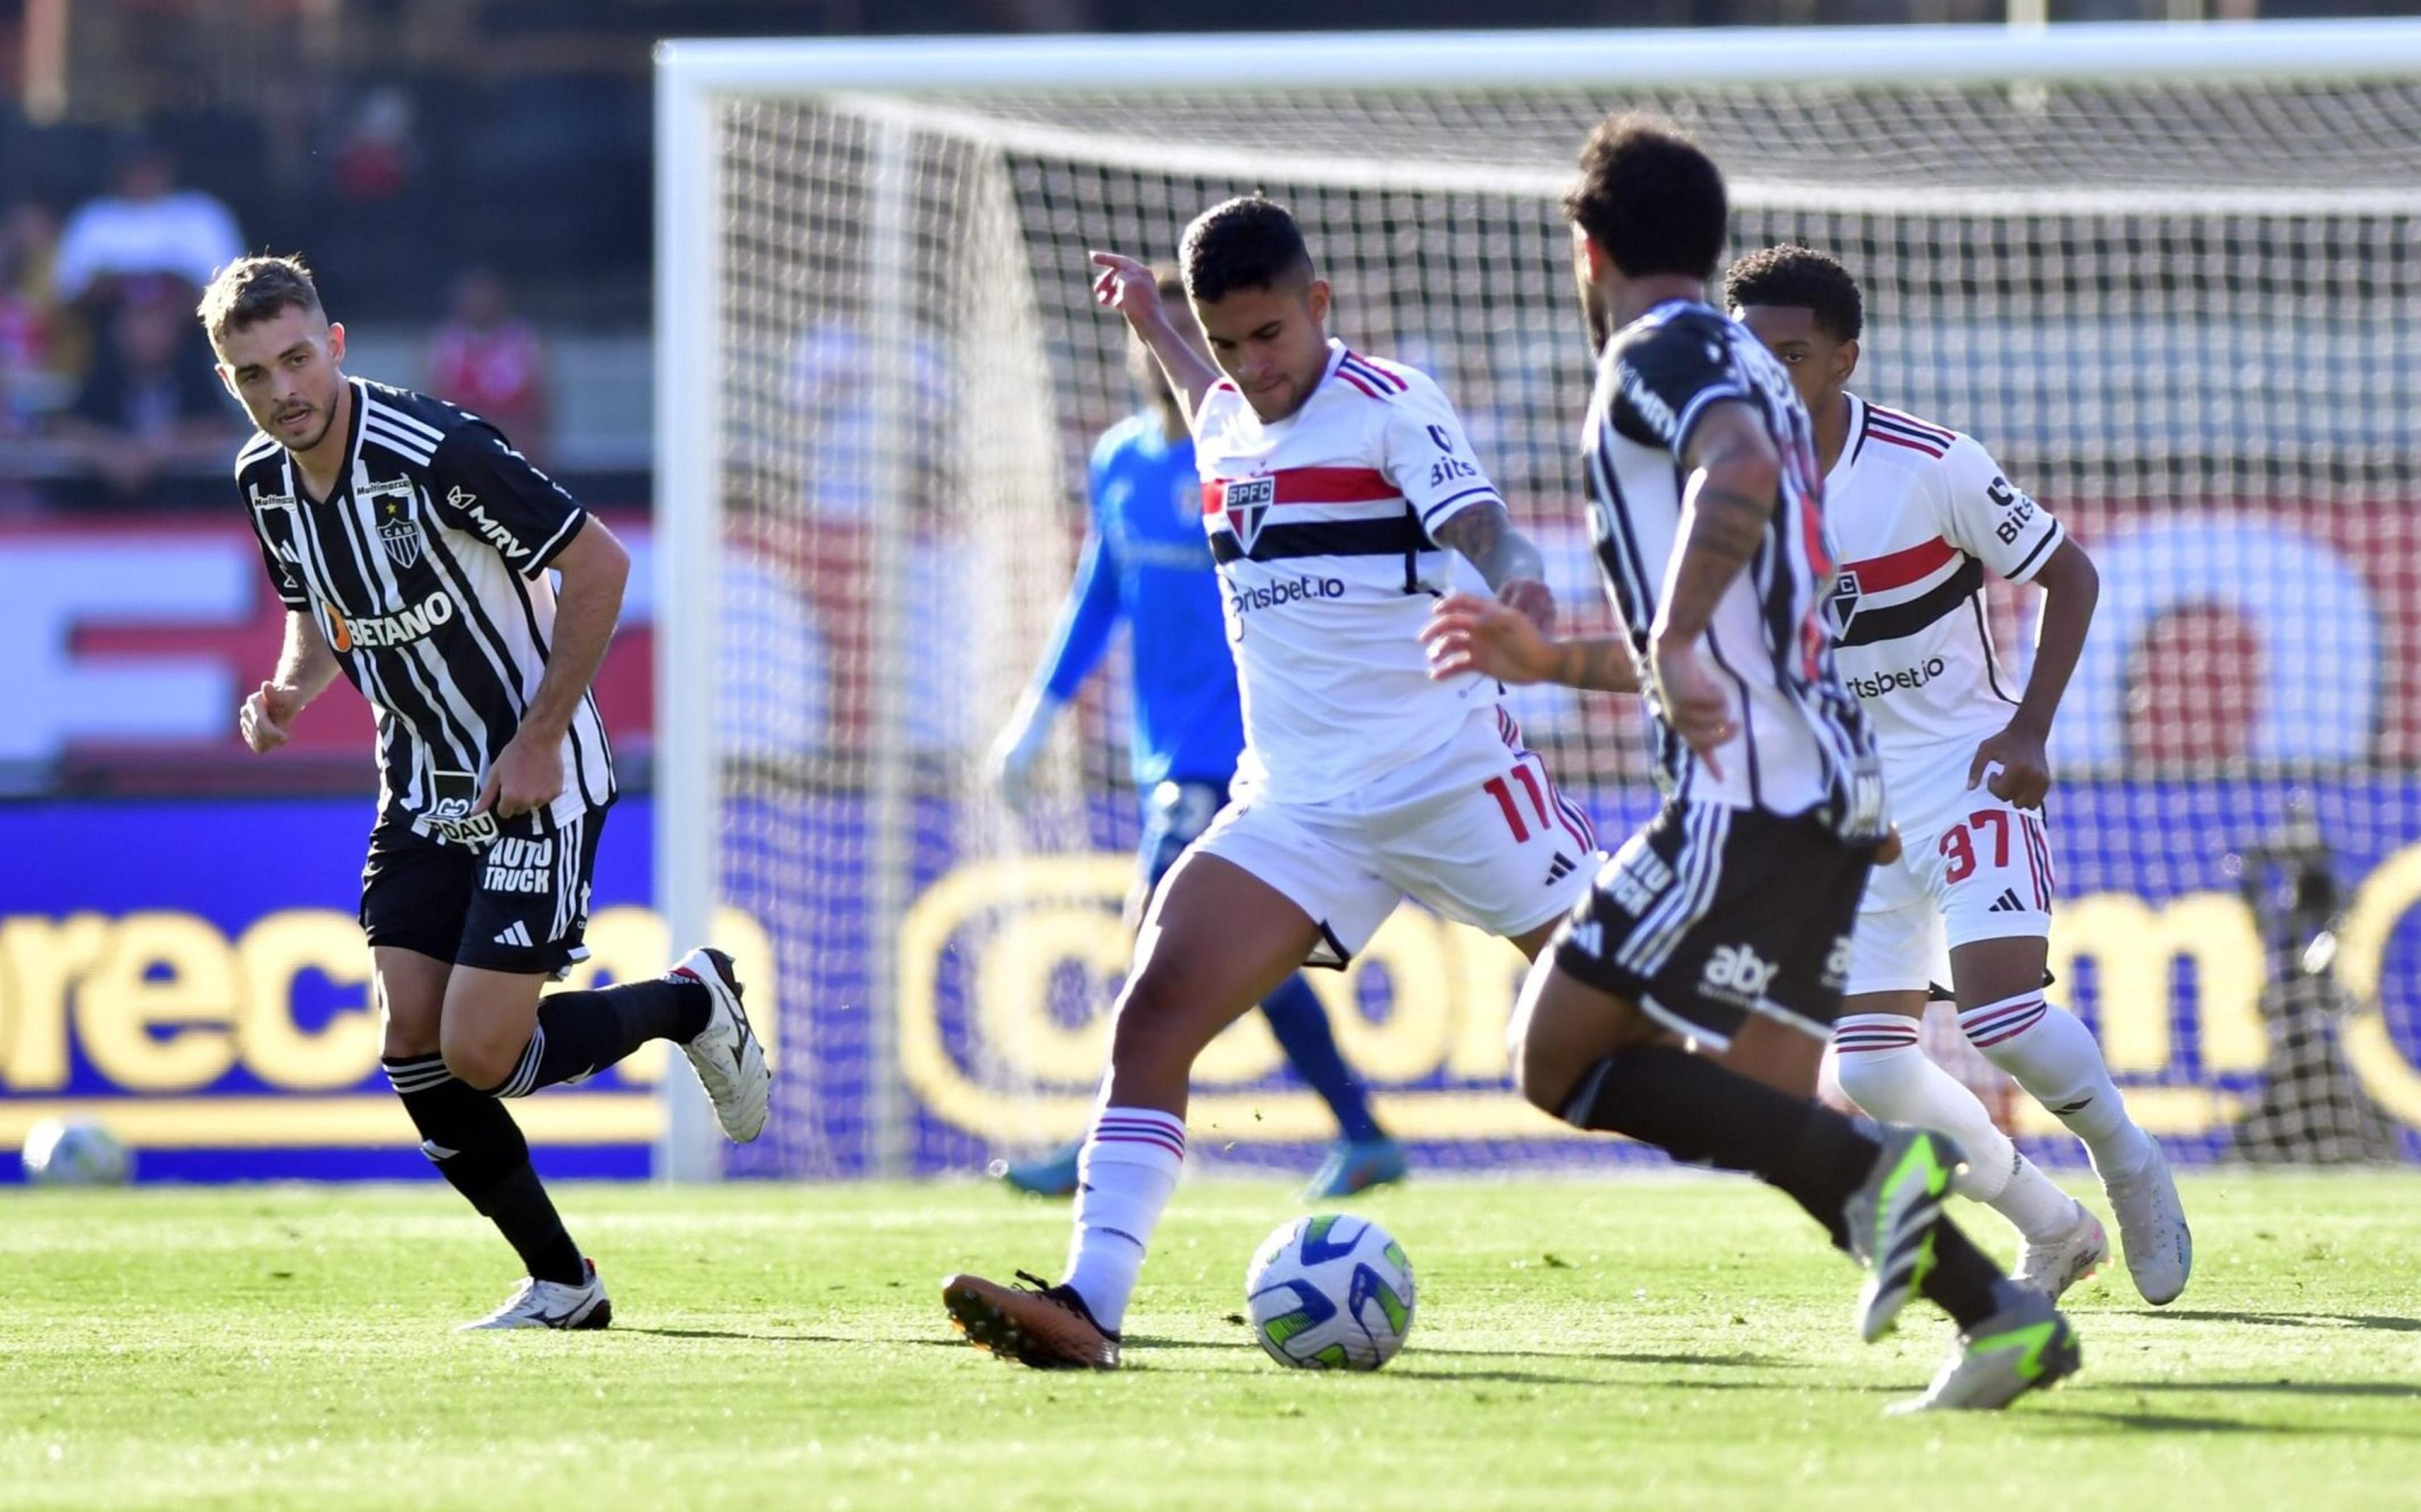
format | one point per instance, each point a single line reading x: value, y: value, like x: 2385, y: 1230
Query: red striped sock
x: 1124, y: 1176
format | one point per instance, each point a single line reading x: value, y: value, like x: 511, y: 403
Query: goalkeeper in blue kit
x: 1146, y: 561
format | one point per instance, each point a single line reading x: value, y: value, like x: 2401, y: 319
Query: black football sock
x: 1704, y: 1114
x: 475, y: 1144
x: 579, y: 1034
x: 1964, y: 1281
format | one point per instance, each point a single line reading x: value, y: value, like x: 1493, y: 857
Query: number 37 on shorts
x: 2006, y: 848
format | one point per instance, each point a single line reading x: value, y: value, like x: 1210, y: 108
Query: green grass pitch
x: 1652, y: 1342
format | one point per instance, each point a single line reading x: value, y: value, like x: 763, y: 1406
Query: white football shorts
x: 1971, y: 867
x: 1476, y: 831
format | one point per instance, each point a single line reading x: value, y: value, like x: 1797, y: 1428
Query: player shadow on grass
x: 1536, y: 1378
x: 1460, y: 1371
x: 2378, y: 1321
x: 2140, y: 1421
x: 1738, y: 1361
x: 774, y: 1336
x: 2393, y: 1389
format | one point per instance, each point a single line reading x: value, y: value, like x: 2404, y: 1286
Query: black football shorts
x: 517, y: 903
x: 1708, y: 914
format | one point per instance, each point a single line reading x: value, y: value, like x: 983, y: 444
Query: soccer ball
x: 1330, y: 1293
x: 75, y: 1153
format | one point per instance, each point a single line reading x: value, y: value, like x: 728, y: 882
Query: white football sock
x: 2049, y: 1053
x: 1885, y: 1073
x: 1124, y: 1176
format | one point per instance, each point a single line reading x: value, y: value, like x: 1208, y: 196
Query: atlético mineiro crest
x: 1248, y: 502
x: 1845, y: 602
x: 398, y: 525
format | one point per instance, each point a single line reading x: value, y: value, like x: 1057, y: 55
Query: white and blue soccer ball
x: 75, y: 1152
x: 1330, y: 1293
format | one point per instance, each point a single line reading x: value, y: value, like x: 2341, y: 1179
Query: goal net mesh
x: 2188, y: 320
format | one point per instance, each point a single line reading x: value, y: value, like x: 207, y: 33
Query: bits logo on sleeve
x: 2017, y: 510
x: 1449, y: 467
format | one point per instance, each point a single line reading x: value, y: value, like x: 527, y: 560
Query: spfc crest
x: 1248, y: 504
x: 399, y: 524
x: 1845, y: 604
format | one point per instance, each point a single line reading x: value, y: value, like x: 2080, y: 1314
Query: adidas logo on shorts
x: 517, y: 935
x: 2007, y: 903
x: 1559, y: 868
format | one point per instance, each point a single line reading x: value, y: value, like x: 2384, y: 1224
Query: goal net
x: 2171, y: 279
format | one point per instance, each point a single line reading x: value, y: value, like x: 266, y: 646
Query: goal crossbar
x: 2135, y: 52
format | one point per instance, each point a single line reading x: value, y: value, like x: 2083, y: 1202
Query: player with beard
x: 415, y: 551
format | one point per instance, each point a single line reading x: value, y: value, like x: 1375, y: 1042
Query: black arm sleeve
x: 276, y: 555
x: 482, y: 487
x: 290, y: 592
x: 1667, y: 376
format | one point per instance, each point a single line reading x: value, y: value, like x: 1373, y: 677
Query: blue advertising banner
x: 193, y: 974
x: 190, y: 972
x: 1005, y: 967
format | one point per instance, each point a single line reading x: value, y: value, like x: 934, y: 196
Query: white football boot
x: 552, y: 1305
x: 2152, y: 1229
x: 728, y: 1057
x: 2060, y: 1262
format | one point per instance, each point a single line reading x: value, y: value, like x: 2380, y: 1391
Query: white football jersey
x: 1321, y: 524
x: 1919, y: 513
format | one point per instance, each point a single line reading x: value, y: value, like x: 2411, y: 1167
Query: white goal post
x: 751, y: 217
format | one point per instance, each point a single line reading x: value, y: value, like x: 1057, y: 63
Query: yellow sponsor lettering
x: 2136, y: 949
x: 2387, y: 896
x: 162, y: 1003
x: 40, y: 961
x: 271, y: 955
x: 156, y: 1012
x: 966, y: 916
x: 1411, y: 1042
x: 1444, y: 994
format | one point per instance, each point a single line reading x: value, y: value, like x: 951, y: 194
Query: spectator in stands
x: 838, y: 392
x: 147, y: 229
x: 490, y: 361
x: 151, y: 421
x: 37, y: 345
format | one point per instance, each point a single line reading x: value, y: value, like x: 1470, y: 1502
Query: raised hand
x: 1129, y: 287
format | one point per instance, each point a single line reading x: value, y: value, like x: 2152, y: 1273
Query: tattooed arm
x: 1485, y: 536
x: 1735, y: 482
x: 1468, y: 634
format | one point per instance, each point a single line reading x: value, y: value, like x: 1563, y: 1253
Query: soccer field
x: 1680, y: 1342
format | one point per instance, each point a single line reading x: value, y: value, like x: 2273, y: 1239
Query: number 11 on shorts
x: 1498, y: 788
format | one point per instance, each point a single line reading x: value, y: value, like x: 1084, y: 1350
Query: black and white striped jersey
x: 1802, y: 744
x: 427, y: 570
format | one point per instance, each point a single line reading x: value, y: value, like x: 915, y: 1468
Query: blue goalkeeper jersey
x: 1148, y: 561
